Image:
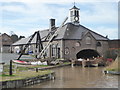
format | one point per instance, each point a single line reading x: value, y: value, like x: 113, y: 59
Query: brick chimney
x: 52, y: 24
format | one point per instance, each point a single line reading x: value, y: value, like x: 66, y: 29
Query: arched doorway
x: 87, y: 53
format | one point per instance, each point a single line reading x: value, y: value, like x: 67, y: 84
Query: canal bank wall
x: 27, y: 81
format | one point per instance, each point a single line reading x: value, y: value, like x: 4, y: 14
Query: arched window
x: 71, y: 13
x: 88, y: 40
x: 77, y: 44
x: 98, y: 44
x: 77, y: 13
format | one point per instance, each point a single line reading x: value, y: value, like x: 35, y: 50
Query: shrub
x: 111, y: 53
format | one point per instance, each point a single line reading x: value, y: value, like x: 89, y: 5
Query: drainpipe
x: 63, y: 48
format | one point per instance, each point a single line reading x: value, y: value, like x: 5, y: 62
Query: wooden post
x: 10, y: 69
x: 2, y: 68
x: 36, y: 69
x: 72, y: 62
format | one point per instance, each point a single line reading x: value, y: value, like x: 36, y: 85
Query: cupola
x: 74, y: 15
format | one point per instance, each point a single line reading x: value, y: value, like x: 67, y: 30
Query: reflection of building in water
x: 73, y: 41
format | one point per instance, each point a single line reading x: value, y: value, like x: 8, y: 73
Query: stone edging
x: 27, y: 81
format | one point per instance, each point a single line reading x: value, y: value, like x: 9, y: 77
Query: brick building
x: 73, y: 41
x: 114, y: 44
x: 5, y: 42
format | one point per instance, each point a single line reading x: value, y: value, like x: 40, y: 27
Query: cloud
x: 27, y: 32
x: 111, y: 32
x: 56, y: 1
x: 32, y: 15
x: 100, y: 13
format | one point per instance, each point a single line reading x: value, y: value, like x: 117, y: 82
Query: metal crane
x: 39, y: 44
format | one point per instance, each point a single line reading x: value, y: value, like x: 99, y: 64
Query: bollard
x: 10, y: 69
x: 36, y: 69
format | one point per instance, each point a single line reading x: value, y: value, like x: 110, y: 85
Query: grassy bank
x: 23, y: 75
x: 28, y: 67
x: 26, y: 71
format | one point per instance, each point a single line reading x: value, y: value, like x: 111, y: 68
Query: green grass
x: 67, y: 63
x: 5, y: 75
x: 24, y: 71
x: 113, y: 69
x: 6, y: 68
x: 23, y: 75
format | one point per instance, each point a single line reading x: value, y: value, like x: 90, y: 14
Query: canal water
x: 79, y: 77
x: 72, y: 77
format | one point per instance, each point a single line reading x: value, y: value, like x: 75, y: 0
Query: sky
x: 24, y: 17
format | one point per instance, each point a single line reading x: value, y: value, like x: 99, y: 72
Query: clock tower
x: 74, y: 15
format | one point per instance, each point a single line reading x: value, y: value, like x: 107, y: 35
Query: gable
x: 88, y: 38
x: 78, y: 31
x: 88, y: 34
x: 6, y: 39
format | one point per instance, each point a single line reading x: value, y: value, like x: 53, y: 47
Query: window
x: 71, y: 13
x: 88, y: 40
x: 77, y: 13
x: 53, y: 51
x: 98, y: 44
x: 5, y: 39
x: 77, y: 44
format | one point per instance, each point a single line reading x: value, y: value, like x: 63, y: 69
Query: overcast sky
x: 24, y: 17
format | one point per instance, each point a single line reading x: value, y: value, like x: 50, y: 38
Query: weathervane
x: 74, y: 2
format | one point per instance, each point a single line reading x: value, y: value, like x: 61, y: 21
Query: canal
x: 79, y: 77
x: 72, y: 77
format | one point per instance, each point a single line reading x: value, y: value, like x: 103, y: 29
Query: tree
x: 14, y: 37
x: 21, y: 37
x: 112, y: 53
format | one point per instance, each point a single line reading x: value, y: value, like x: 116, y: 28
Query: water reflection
x: 78, y: 77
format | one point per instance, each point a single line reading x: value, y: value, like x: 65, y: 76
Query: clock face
x: 76, y: 18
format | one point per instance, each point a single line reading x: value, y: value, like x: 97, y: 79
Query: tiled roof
x: 71, y: 31
x: 67, y: 31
